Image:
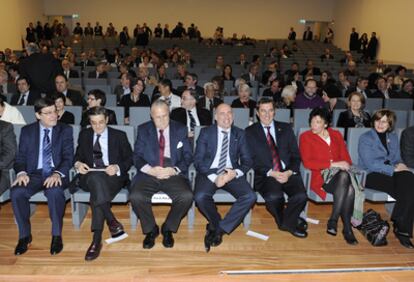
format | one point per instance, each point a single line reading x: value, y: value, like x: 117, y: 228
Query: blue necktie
x: 47, y: 155
x: 223, y: 154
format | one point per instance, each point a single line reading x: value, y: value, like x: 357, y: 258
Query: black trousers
x: 400, y: 187
x: 273, y: 194
x: 176, y: 187
x: 103, y: 189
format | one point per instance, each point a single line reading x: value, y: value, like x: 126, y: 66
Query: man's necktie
x: 168, y: 101
x: 21, y: 101
x: 277, y: 166
x: 223, y: 153
x: 46, y: 154
x: 97, y: 153
x: 192, y: 121
x: 161, y: 142
x: 211, y: 106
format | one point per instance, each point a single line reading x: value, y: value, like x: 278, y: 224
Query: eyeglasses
x: 49, y: 113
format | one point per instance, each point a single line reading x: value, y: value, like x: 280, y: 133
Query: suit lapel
x: 173, y: 143
x: 37, y: 142
x: 111, y: 157
x: 89, y: 146
x: 152, y: 135
x: 55, y: 148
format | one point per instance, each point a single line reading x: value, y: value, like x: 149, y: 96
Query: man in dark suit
x: 276, y: 161
x: 310, y: 69
x: 100, y: 72
x: 40, y: 69
x: 190, y: 83
x: 383, y: 91
x: 108, y: 149
x: 88, y: 30
x: 98, y: 29
x: 8, y: 149
x: 42, y: 164
x: 354, y: 44
x: 5, y: 85
x: 162, y: 156
x: 252, y: 76
x: 222, y: 159
x: 209, y: 101
x: 189, y: 114
x: 73, y: 97
x: 67, y: 71
x: 361, y: 87
x: 78, y: 30
x: 308, y: 34
x: 84, y: 61
x: 26, y: 96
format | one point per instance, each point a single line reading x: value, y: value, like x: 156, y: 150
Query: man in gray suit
x: 8, y: 149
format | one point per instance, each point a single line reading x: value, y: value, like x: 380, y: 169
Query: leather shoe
x: 93, y: 251
x: 168, y: 239
x: 56, y: 246
x: 208, y: 238
x: 405, y: 242
x: 23, y: 245
x: 149, y: 240
x: 217, y: 238
x: 331, y: 227
x: 115, y: 228
x: 297, y: 232
x: 350, y: 237
x: 302, y: 224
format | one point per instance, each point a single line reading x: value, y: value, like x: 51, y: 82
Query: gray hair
x: 288, y: 91
x: 32, y: 48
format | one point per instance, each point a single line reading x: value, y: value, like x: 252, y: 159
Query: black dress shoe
x: 299, y: 233
x: 331, y: 227
x: 115, y: 228
x: 93, y: 251
x: 149, y: 240
x: 405, y: 242
x: 56, y: 246
x: 208, y: 238
x: 350, y: 237
x: 302, y: 224
x: 217, y: 238
x: 168, y: 239
x: 23, y: 245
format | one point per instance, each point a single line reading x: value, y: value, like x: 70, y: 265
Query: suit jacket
x: 262, y: 156
x: 202, y: 102
x: 11, y: 88
x: 246, y: 77
x: 76, y: 98
x: 8, y: 148
x: 92, y: 74
x: 88, y: 63
x: 292, y: 35
x: 111, y: 118
x: 308, y: 35
x: 367, y: 92
x: 354, y: 41
x: 238, y: 104
x: 206, y: 150
x: 44, y: 80
x: 123, y: 38
x: 146, y: 150
x: 119, y: 149
x: 372, y: 154
x: 62, y: 148
x: 317, y: 155
x: 180, y: 115
x: 407, y: 146
x: 198, y: 89
x: 72, y: 74
x: 31, y: 99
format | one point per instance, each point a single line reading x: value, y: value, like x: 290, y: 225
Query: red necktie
x: 162, y: 147
x: 275, y: 156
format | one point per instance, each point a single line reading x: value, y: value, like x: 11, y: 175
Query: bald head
x: 224, y: 116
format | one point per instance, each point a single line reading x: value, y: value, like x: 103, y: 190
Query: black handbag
x: 374, y: 228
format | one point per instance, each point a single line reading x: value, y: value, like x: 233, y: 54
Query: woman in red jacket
x: 324, y: 148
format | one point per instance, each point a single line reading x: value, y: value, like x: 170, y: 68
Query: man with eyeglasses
x: 97, y: 98
x: 103, y: 158
x: 42, y: 163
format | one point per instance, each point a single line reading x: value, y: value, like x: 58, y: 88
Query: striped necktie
x: 46, y: 154
x: 224, y: 151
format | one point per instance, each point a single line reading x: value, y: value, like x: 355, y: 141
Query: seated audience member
x: 361, y: 87
x: 165, y: 93
x: 189, y: 114
x: 85, y: 61
x: 324, y: 152
x: 190, y: 83
x: 99, y: 72
x: 227, y: 73
x: 351, y: 69
x: 244, y: 100
x: 10, y: 114
x: 288, y: 99
x: 219, y: 63
x: 136, y: 98
x: 124, y: 87
x: 274, y: 91
x: 343, y: 84
x: 63, y: 115
x: 97, y: 98
x: 271, y: 74
x: 400, y: 76
x: 217, y: 168
x: 294, y: 67
x: 5, y: 85
x: 181, y: 72
x: 242, y: 61
x: 309, y: 99
x: 73, y: 97
x: 406, y: 89
x: 8, y: 148
x: 111, y: 152
x: 25, y: 96
x: 252, y: 76
x: 295, y: 80
x: 379, y: 155
x: 327, y: 56
x: 67, y: 71
x: 383, y: 91
x: 218, y: 84
x: 355, y: 116
x: 310, y: 69
x: 276, y: 162
x: 209, y: 101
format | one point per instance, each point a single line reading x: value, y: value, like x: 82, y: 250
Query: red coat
x: 317, y: 155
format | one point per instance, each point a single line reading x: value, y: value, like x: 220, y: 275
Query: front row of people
x: 223, y: 156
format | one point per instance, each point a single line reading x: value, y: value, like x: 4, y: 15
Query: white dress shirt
x: 195, y: 116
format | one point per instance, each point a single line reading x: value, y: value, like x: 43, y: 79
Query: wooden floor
x: 187, y: 261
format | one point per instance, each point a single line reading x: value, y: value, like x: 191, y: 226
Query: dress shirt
x: 103, y: 142
x: 195, y: 116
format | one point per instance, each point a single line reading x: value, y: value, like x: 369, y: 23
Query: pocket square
x: 179, y: 145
